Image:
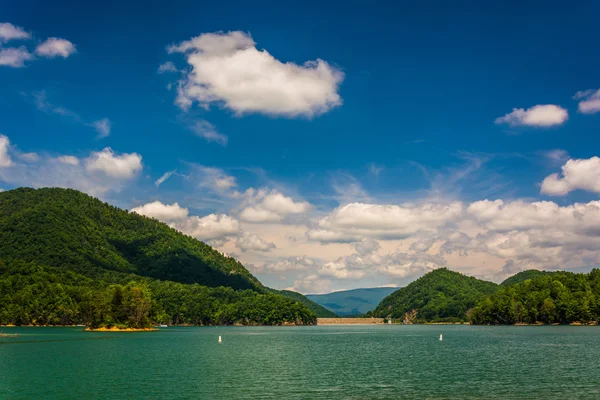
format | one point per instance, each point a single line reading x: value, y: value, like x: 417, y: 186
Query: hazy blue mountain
x: 352, y: 302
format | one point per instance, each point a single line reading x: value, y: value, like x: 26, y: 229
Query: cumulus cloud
x: 228, y: 69
x: 101, y: 172
x: 5, y: 159
x: 15, y: 57
x: 72, y: 160
x: 162, y: 212
x: 589, y: 101
x: 286, y: 264
x: 207, y: 131
x: 356, y: 220
x: 55, y: 47
x: 395, y: 265
x: 583, y: 174
x: 9, y: 31
x: 29, y: 157
x: 542, y: 115
x: 208, y: 228
x: 124, y: 166
x: 270, y: 206
x: 250, y: 241
x: 311, y: 283
x: 215, y: 229
x: 102, y: 126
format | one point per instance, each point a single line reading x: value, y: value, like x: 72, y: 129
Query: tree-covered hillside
x: 31, y: 294
x: 440, y: 295
x: 66, y: 257
x: 69, y: 229
x: 559, y: 297
x: 523, y: 276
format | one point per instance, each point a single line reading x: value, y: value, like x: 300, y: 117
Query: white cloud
x: 9, y: 31
x: 356, y: 220
x: 5, y: 159
x: 311, y: 283
x: 29, y: 157
x: 213, y: 228
x: 250, y: 241
x: 55, y: 47
x: 210, y: 227
x: 14, y: 57
x: 556, y: 155
x: 583, y: 174
x: 229, y: 70
x: 124, y: 166
x: 206, y: 130
x: 163, y: 178
x: 287, y: 264
x: 72, y: 160
x: 97, y: 177
x: 102, y: 126
x: 366, y: 246
x: 270, y: 206
x: 589, y: 101
x: 543, y: 115
x: 213, y: 178
x: 162, y: 212
x: 167, y: 67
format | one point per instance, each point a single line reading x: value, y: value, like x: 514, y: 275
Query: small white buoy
x: 441, y: 337
x: 221, y: 340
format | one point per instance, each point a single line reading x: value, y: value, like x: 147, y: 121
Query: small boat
x: 441, y: 337
x: 220, y: 340
x: 80, y: 325
x: 163, y: 326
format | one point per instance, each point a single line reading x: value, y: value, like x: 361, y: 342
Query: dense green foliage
x: 440, y: 295
x: 68, y: 258
x: 34, y: 295
x: 523, y: 276
x: 353, y: 302
x: 69, y: 229
x: 559, y: 297
x: 320, y: 311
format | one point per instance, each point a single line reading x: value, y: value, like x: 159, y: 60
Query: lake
x: 319, y: 362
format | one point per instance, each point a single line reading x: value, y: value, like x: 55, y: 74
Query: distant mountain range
x: 352, y: 302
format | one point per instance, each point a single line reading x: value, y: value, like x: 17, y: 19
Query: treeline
x: 31, y: 294
x: 559, y: 297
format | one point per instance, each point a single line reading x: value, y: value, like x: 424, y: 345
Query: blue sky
x: 408, y: 114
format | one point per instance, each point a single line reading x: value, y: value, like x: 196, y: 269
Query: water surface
x: 322, y: 362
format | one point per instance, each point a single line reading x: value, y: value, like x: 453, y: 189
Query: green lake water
x: 321, y: 362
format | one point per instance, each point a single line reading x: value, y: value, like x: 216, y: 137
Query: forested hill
x: 557, y: 297
x: 440, y: 295
x: 523, y: 276
x: 69, y: 229
x: 67, y: 258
